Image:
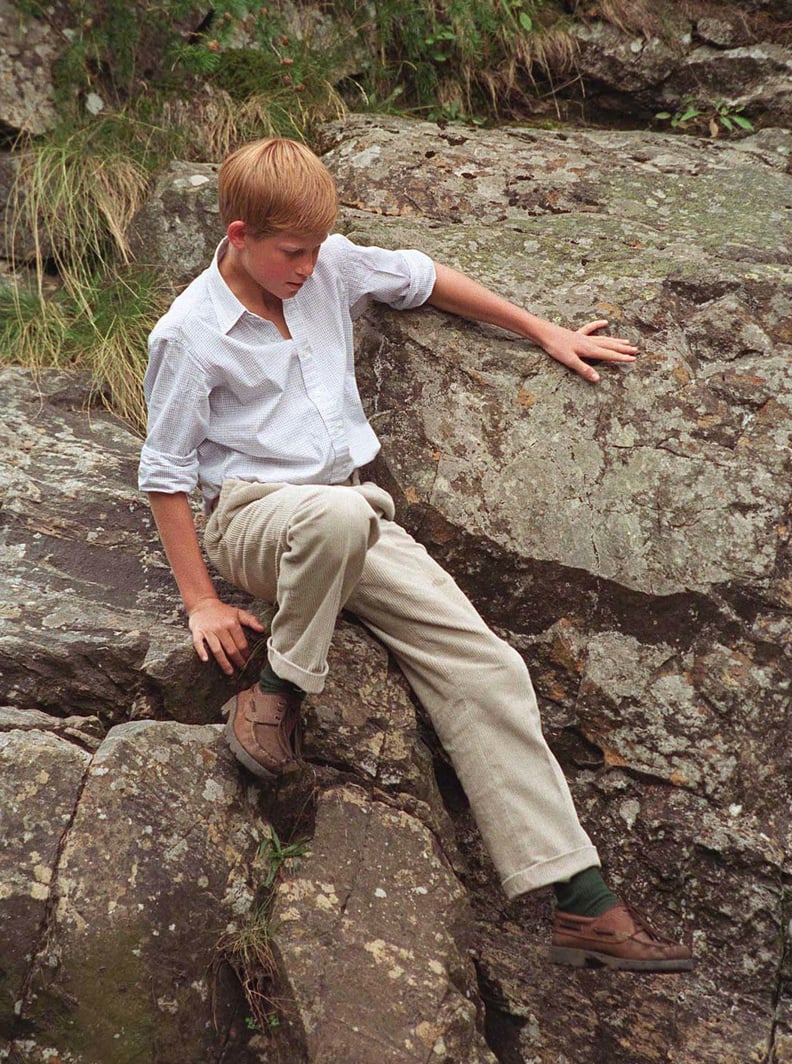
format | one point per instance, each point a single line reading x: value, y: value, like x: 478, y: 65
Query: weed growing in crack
x: 248, y: 949
x: 277, y: 854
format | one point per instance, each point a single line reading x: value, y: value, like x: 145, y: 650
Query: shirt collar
x: 226, y: 305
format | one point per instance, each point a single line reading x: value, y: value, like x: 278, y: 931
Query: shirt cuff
x: 170, y: 473
x: 422, y: 280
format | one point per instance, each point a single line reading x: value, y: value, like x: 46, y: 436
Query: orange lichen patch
x: 440, y: 531
x: 611, y: 310
x: 678, y: 779
x: 551, y: 687
x: 681, y: 374
x: 750, y: 380
x: 411, y: 495
x: 612, y: 759
x: 527, y: 399
x: 706, y: 421
x: 563, y: 651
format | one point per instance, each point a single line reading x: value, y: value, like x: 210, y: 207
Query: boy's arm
x: 459, y: 294
x: 214, y: 624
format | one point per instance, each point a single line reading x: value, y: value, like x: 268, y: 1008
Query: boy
x: 252, y: 394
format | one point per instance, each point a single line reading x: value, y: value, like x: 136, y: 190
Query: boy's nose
x: 306, y: 267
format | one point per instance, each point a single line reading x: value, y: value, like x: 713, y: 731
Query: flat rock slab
x: 372, y: 932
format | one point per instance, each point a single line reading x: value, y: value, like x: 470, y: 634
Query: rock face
x: 669, y: 59
x: 29, y: 47
x: 630, y: 539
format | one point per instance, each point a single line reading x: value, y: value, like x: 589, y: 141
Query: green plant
x: 275, y: 854
x: 709, y: 117
x: 123, y: 55
x: 729, y: 117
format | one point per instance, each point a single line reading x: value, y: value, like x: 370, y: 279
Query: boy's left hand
x: 570, y: 348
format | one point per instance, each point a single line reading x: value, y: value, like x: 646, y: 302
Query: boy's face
x: 279, y: 264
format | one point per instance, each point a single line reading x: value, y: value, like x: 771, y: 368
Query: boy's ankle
x: 585, y: 894
x: 271, y: 683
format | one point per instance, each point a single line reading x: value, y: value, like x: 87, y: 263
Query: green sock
x: 585, y: 894
x: 272, y: 683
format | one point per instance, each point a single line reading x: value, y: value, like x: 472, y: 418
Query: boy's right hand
x: 217, y: 627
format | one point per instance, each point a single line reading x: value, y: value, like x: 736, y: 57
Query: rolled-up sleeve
x: 402, y: 279
x: 177, y: 396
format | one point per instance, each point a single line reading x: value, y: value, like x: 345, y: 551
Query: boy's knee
x: 341, y: 518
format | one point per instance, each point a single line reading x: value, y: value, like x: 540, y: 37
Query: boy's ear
x: 236, y: 233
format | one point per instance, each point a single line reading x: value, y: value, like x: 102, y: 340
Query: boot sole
x: 584, y: 958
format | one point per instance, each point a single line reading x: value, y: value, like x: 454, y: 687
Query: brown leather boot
x: 262, y: 731
x: 620, y: 938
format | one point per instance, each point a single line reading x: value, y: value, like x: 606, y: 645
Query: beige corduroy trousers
x: 315, y: 549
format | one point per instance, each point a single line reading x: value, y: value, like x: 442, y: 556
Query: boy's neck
x: 252, y: 296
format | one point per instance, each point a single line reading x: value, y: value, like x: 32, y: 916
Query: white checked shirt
x: 229, y: 397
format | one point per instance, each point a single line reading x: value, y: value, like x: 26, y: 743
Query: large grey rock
x: 88, y: 618
x: 154, y: 868
x: 376, y: 918
x: 667, y: 56
x: 180, y: 224
x: 632, y: 539
x: 756, y: 77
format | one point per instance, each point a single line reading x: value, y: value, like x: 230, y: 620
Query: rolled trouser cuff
x: 310, y: 682
x: 553, y: 870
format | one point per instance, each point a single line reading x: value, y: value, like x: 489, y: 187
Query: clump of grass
x: 102, y: 330
x: 475, y: 57
x: 73, y: 198
x: 248, y: 949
